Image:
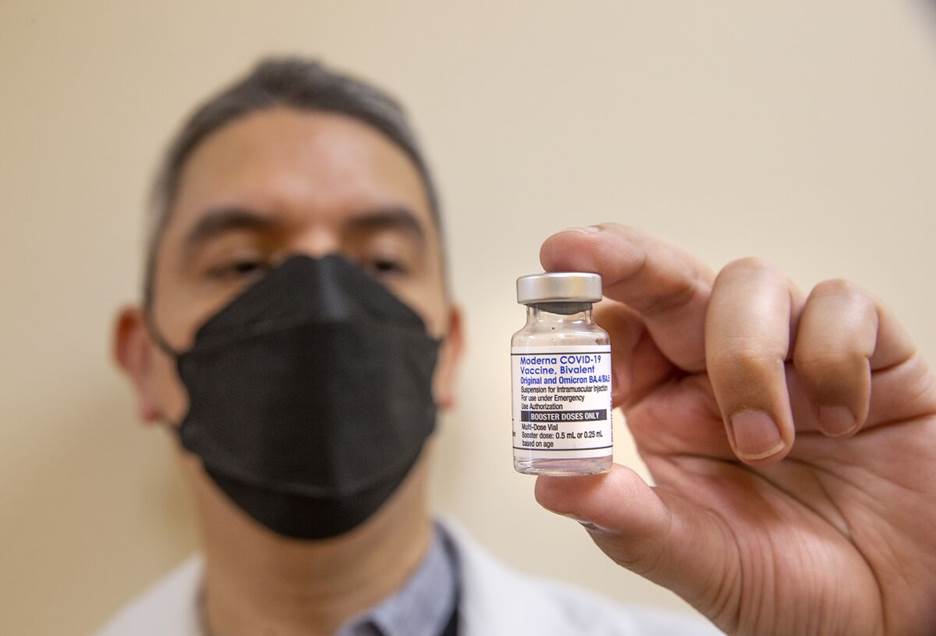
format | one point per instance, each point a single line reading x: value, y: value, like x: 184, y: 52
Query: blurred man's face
x: 281, y: 182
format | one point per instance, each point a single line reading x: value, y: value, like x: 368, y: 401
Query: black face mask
x: 310, y: 396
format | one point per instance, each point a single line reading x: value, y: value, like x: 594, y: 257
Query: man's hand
x: 792, y: 439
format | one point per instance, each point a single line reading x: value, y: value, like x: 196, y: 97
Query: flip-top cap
x: 559, y: 287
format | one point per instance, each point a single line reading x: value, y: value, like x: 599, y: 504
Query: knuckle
x: 620, y: 228
x: 745, y: 364
x: 840, y: 287
x: 750, y: 263
x: 678, y: 294
x: 751, y: 266
x: 830, y: 368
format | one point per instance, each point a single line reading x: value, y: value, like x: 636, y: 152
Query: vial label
x: 562, y: 401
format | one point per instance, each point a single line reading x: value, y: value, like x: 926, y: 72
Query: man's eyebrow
x: 218, y: 221
x: 391, y: 218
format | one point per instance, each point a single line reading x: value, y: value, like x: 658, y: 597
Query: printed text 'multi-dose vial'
x: 561, y: 378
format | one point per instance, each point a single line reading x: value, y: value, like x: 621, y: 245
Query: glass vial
x: 561, y: 378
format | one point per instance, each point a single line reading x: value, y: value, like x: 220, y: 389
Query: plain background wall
x: 800, y: 131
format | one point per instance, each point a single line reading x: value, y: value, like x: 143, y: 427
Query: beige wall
x: 801, y: 131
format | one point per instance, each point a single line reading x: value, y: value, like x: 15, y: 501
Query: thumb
x: 654, y: 532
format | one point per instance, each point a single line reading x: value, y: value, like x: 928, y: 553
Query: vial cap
x: 559, y: 287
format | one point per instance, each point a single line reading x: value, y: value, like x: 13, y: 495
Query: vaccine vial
x: 561, y: 378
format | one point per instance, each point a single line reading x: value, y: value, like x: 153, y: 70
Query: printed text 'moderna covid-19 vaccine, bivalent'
x: 561, y: 378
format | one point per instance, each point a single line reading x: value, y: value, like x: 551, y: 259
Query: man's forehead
x: 283, y: 159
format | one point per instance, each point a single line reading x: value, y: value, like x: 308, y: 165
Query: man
x: 297, y: 335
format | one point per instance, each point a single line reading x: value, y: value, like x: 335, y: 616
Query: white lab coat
x: 495, y: 601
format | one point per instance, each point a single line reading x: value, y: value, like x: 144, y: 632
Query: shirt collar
x: 424, y: 605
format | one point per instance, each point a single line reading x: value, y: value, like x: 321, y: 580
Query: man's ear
x: 133, y: 351
x: 450, y: 356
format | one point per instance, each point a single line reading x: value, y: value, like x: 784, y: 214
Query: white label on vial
x: 561, y: 401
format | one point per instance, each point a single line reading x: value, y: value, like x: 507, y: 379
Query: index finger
x: 668, y: 287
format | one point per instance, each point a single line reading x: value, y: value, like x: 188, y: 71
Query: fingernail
x: 587, y: 229
x: 836, y: 421
x: 591, y: 527
x: 756, y: 436
x: 588, y: 525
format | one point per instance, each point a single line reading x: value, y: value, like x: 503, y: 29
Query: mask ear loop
x: 150, y: 322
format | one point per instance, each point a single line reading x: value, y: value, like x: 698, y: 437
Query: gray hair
x: 285, y: 81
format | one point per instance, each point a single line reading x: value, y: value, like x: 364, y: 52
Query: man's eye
x: 240, y: 269
x: 246, y: 267
x: 387, y: 266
